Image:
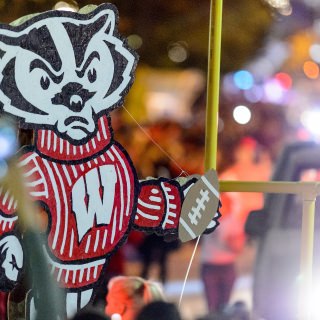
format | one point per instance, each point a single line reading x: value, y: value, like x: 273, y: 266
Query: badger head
x: 62, y: 70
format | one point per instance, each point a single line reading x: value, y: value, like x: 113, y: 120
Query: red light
x: 284, y: 79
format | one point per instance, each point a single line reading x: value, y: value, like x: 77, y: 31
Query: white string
x: 188, y: 270
x: 183, y: 172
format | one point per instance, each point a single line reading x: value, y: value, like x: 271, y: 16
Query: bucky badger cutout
x: 61, y: 75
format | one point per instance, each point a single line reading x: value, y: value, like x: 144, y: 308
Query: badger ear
x: 110, y: 23
x: 105, y: 21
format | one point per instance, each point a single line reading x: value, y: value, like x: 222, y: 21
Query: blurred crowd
x: 134, y: 298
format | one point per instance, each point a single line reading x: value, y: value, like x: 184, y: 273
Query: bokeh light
x: 311, y: 69
x: 242, y: 114
x: 243, y: 79
x: 66, y: 6
x: 284, y: 79
x: 8, y: 141
x: 135, y: 41
x: 314, y: 52
x: 310, y: 119
x: 177, y: 52
x: 273, y: 91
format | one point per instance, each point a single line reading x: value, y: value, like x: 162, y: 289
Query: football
x: 199, y: 207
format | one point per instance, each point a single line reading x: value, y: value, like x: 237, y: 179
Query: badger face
x: 62, y: 70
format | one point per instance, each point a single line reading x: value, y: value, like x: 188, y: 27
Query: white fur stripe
x: 88, y: 244
x: 10, y: 202
x: 29, y: 173
x: 110, y: 155
x: 66, y: 208
x: 57, y: 197
x: 103, y: 128
x: 81, y: 275
x: 39, y: 193
x: 74, y: 276
x: 155, y: 199
x: 6, y: 195
x: 105, y: 236
x: 75, y: 173
x: 71, y: 244
x: 95, y: 273
x: 114, y: 227
x: 55, y: 138
x: 149, y: 206
x: 59, y: 275
x: 97, y: 241
x: 121, y: 198
x: 42, y: 138
x: 34, y: 183
x: 147, y: 216
x: 61, y: 146
x: 66, y: 276
x: 65, y: 170
x: 49, y: 140
x: 32, y: 157
x: 115, y: 151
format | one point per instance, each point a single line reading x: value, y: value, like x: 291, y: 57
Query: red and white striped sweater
x: 92, y: 198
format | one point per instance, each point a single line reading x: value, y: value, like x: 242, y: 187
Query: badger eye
x: 45, y: 82
x: 92, y: 75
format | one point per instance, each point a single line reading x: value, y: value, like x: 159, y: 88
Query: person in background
x: 154, y: 249
x: 219, y: 251
x: 159, y: 310
x: 127, y: 295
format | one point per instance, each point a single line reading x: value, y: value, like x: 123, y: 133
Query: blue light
x: 8, y: 140
x: 243, y: 79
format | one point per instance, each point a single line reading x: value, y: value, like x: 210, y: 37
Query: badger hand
x: 11, y: 260
x: 200, y: 210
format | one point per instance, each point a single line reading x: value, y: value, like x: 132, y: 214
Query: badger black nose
x: 73, y: 96
x: 76, y: 103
